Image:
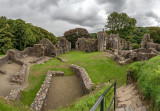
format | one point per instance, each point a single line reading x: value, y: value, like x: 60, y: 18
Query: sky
x: 58, y: 16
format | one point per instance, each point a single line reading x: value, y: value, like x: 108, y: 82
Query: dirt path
x: 63, y: 90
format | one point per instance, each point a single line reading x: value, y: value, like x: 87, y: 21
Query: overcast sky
x: 58, y: 16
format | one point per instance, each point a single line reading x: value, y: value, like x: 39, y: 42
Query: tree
x: 73, y: 34
x: 5, y: 39
x: 116, y: 22
x: 19, y: 34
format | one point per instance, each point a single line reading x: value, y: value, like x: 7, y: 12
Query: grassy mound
x: 148, y: 78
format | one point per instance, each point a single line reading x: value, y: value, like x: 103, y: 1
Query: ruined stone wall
x: 101, y: 37
x: 128, y: 56
x: 86, y: 44
x: 4, y: 59
x: 115, y: 42
x: 86, y: 82
x: 61, y: 47
x: 147, y: 43
x: 40, y: 100
x: 112, y: 41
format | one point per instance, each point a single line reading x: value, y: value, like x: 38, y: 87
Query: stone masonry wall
x: 86, y: 82
x: 4, y: 59
x: 147, y: 43
x: 112, y: 41
x: 86, y: 44
x: 40, y: 99
x: 61, y: 47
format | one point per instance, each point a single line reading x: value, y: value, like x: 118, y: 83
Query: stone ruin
x: 86, y: 44
x: 41, y: 97
x: 102, y: 43
x: 61, y: 47
x: 121, y: 50
x: 148, y: 43
x: 112, y: 41
x: 147, y: 50
x: 44, y: 48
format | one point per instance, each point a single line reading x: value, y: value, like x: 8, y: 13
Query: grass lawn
x: 100, y: 68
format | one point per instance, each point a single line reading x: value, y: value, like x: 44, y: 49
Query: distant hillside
x: 18, y: 34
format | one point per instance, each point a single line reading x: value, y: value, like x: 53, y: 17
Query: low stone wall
x: 40, y: 100
x: 4, y: 59
x: 37, y: 60
x: 86, y: 82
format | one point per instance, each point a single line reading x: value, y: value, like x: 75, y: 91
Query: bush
x: 73, y: 34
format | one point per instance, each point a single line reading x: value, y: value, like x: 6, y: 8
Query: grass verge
x: 148, y: 78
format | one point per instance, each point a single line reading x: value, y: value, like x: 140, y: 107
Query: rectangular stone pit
x: 40, y: 100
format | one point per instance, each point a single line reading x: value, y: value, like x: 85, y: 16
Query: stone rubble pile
x: 15, y: 94
x: 40, y: 100
x: 86, y: 82
x: 62, y: 59
x: 19, y: 77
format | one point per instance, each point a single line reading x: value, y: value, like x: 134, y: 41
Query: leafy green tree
x: 5, y: 39
x: 73, y: 34
x: 19, y: 34
x: 116, y: 22
x: 155, y: 33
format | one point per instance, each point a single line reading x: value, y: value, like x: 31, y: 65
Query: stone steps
x: 129, y: 100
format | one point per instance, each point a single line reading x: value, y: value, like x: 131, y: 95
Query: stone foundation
x: 40, y: 99
x: 86, y: 82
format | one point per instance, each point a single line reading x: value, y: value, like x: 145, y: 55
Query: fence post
x: 102, y: 105
x: 115, y: 96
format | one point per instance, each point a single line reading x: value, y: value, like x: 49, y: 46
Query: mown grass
x: 148, y: 78
x: 100, y: 68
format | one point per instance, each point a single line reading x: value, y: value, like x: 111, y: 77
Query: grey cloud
x: 58, y: 16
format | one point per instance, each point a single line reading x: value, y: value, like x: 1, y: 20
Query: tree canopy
x: 116, y: 22
x: 73, y: 34
x: 19, y: 34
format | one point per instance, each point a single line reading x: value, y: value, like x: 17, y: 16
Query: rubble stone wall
x: 4, y: 59
x: 61, y: 47
x: 86, y: 44
x: 86, y: 82
x: 40, y: 100
x: 147, y: 43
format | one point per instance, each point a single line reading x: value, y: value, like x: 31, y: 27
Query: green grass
x: 1, y: 56
x: 148, y: 78
x: 100, y: 68
x: 6, y: 105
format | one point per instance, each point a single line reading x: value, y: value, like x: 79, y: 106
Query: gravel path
x: 63, y: 90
